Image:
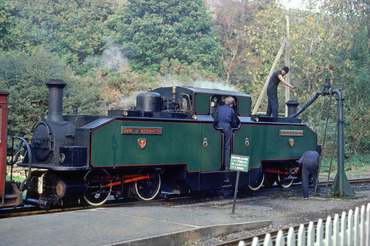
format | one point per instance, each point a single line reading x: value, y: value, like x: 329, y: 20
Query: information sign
x: 239, y: 163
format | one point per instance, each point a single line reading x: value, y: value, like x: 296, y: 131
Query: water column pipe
x: 341, y: 186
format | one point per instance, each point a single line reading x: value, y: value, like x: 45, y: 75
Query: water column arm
x: 307, y: 105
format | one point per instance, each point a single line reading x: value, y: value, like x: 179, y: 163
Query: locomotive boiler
x: 168, y: 143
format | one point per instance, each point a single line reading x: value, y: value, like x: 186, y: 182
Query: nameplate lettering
x: 137, y: 130
x: 291, y: 133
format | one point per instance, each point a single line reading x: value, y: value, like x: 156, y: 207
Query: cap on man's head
x: 286, y: 69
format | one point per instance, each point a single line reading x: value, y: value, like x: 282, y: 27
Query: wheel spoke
x: 148, y: 189
x: 284, y: 182
x: 97, y: 193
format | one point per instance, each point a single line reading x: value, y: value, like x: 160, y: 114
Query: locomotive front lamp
x: 125, y: 113
x: 194, y: 117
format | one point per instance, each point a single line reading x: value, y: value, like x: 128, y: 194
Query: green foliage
x: 101, y: 89
x: 5, y: 13
x: 174, y: 42
x: 336, y: 35
x: 67, y: 27
x: 353, y: 163
x: 152, y: 32
x: 24, y: 76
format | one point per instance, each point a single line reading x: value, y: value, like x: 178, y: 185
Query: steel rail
x: 32, y: 210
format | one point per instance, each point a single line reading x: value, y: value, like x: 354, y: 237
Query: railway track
x: 168, y: 201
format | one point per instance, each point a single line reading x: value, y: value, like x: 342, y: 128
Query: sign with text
x: 239, y: 163
x: 136, y: 130
x: 291, y: 133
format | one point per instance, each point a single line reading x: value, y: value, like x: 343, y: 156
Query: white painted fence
x: 352, y: 229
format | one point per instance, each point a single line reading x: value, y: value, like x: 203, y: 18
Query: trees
x: 231, y: 19
x: 175, y: 42
x: 338, y: 34
x: 5, y: 13
x: 24, y: 76
x: 153, y: 32
x: 71, y: 28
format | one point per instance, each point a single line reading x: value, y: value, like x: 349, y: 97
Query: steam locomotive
x: 168, y: 143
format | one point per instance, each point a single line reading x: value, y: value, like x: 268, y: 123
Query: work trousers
x: 307, y: 170
x: 226, y: 129
x: 273, y: 103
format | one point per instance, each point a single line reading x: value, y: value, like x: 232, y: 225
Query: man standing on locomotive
x: 225, y: 119
x: 273, y: 103
x: 309, y: 166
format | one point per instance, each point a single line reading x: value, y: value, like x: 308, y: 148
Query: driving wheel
x: 148, y: 189
x: 284, y: 182
x: 256, y: 185
x: 97, y: 193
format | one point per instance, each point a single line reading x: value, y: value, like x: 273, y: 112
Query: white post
x: 362, y: 226
x: 291, y: 237
x: 350, y: 228
x: 328, y: 232
x: 319, y: 232
x: 301, y: 235
x: 343, y: 231
x: 336, y: 230
x: 287, y: 63
x: 368, y: 225
x: 311, y: 234
x: 356, y: 232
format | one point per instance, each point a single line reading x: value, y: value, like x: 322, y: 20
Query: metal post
x: 287, y: 63
x: 341, y: 186
x: 236, y: 190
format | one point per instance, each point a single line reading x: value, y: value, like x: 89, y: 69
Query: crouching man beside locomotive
x: 309, y: 165
x: 225, y: 119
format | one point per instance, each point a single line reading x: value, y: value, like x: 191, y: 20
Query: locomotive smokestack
x: 55, y: 99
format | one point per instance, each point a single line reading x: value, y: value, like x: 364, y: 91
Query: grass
x: 357, y: 165
x: 15, y: 178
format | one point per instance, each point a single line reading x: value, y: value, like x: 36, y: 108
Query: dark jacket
x: 224, y: 116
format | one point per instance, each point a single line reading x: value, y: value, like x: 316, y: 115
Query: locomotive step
x: 10, y: 196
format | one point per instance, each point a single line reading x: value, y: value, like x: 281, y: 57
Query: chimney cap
x: 57, y: 82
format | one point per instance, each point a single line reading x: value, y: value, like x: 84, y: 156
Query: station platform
x: 153, y: 224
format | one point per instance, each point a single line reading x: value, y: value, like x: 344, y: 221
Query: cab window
x: 185, y: 103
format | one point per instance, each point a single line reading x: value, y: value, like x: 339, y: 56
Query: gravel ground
x: 285, y: 209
